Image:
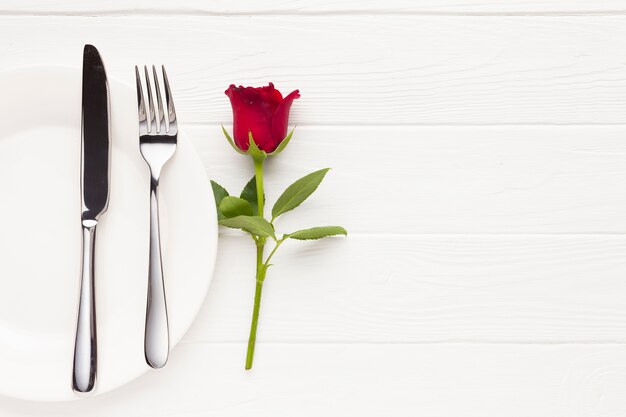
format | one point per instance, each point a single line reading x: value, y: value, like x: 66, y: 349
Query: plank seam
x: 365, y: 235
x: 321, y: 13
x: 425, y: 125
x: 387, y: 343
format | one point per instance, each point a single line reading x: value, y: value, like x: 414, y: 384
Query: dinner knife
x: 95, y: 173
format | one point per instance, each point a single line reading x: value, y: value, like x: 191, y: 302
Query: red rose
x: 262, y: 111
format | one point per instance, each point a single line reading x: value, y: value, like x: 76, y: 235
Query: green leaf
x: 234, y: 206
x: 255, y: 225
x: 297, y: 192
x: 317, y: 233
x: 283, y: 144
x: 232, y: 143
x: 219, y: 193
x: 249, y: 194
x: 253, y: 149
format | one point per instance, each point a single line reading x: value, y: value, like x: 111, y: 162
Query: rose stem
x: 260, y: 267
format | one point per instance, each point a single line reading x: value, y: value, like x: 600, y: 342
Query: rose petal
x: 250, y: 113
x: 271, y: 95
x: 280, y: 121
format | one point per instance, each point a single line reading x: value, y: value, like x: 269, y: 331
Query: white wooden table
x: 479, y: 155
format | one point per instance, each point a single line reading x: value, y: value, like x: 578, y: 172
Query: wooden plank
x: 423, y: 289
x: 303, y: 7
x: 366, y: 380
x: 510, y: 179
x: 359, y: 70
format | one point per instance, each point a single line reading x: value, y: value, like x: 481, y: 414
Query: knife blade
x: 95, y: 174
x: 96, y: 141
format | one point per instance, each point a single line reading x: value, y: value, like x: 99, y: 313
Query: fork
x: 158, y: 131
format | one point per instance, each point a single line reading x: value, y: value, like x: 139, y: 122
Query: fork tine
x: 151, y: 113
x: 161, y: 116
x: 171, y: 112
x: 140, y: 101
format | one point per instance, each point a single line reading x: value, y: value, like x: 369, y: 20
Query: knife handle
x: 85, y: 347
x: 156, y: 340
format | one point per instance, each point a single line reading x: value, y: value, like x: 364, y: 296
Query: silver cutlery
x: 95, y: 151
x: 158, y: 130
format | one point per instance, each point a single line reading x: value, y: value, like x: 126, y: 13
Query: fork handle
x: 156, y: 341
x: 85, y: 347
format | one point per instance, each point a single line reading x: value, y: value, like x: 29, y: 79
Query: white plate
x: 40, y: 236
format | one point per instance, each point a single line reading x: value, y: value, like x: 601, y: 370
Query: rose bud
x: 261, y: 111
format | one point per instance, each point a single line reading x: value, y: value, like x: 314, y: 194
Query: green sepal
x: 254, y: 151
x: 234, y: 206
x: 297, y: 192
x: 282, y: 144
x: 219, y: 193
x: 232, y: 143
x: 254, y: 225
x: 317, y: 233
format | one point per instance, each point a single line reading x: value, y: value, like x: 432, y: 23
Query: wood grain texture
x: 422, y: 71
x: 405, y: 180
x: 368, y: 380
x: 304, y: 7
x: 484, y: 270
x: 423, y: 289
